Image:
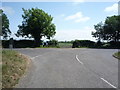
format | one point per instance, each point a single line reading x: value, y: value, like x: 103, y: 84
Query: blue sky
x: 73, y: 20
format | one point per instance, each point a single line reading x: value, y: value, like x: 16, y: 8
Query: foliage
x: 114, y: 44
x: 99, y: 31
x: 76, y: 44
x: 5, y: 25
x: 83, y: 43
x: 18, y: 43
x: 53, y: 42
x: 98, y: 44
x: 36, y: 24
x: 110, y: 30
x: 30, y: 44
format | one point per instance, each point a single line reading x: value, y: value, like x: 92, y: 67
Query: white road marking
x: 35, y: 57
x: 108, y: 83
x: 78, y: 59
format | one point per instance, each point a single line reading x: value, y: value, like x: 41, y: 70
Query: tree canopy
x: 109, y: 30
x: 36, y: 24
x: 5, y: 25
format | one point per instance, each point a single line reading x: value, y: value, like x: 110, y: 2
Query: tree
x: 110, y: 30
x: 76, y: 44
x: 36, y: 24
x: 99, y: 31
x: 53, y: 43
x: 5, y: 25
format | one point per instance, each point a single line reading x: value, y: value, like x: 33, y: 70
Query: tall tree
x: 99, y: 31
x: 5, y: 25
x: 36, y: 24
x: 110, y: 30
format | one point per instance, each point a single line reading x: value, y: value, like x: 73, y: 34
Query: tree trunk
x: 38, y: 41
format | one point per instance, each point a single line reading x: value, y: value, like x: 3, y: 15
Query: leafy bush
x: 76, y: 44
x: 18, y: 43
x: 114, y: 44
x: 83, y: 43
x: 53, y: 43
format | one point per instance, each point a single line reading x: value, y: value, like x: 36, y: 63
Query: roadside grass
x: 0, y: 69
x: 65, y: 45
x: 13, y: 67
x: 117, y: 55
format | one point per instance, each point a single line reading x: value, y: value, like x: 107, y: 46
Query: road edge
x: 28, y: 66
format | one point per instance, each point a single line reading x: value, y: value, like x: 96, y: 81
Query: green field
x: 13, y: 67
x: 65, y: 45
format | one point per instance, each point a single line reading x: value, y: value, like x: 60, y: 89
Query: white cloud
x: 113, y: 8
x: 77, y: 2
x: 78, y: 17
x: 8, y: 10
x: 68, y: 35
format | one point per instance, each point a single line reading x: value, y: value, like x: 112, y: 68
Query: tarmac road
x: 70, y: 68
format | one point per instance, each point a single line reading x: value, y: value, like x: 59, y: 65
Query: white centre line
x: 108, y: 83
x: 78, y: 59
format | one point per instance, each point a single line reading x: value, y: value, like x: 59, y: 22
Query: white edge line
x: 78, y: 59
x: 108, y: 83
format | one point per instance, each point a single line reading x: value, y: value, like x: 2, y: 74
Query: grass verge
x: 13, y: 67
x: 117, y: 55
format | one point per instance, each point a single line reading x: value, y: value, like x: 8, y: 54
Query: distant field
x: 65, y: 45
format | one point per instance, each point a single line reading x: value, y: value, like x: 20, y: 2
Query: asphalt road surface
x: 70, y: 68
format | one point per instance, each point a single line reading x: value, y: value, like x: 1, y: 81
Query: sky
x: 73, y: 20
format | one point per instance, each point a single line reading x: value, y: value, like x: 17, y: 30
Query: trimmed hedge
x: 27, y: 43
x: 83, y: 43
x: 76, y: 44
x: 18, y: 43
x: 91, y: 44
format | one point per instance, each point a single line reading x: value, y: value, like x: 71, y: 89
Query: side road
x: 70, y: 68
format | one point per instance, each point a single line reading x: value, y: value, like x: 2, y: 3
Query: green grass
x: 117, y: 55
x: 0, y: 76
x: 13, y: 67
x: 65, y: 45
